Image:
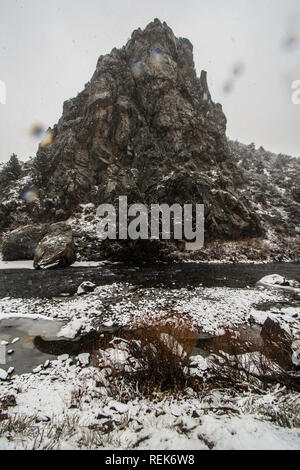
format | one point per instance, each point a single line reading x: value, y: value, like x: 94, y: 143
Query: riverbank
x: 71, y: 402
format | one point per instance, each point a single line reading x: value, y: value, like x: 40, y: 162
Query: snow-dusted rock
x: 22, y: 242
x: 56, y: 248
x: 275, y: 281
x: 41, y: 418
x: 3, y: 374
x: 86, y: 287
x: 63, y: 357
x: 84, y: 359
x: 117, y: 406
x: 71, y: 329
x: 116, y: 356
x: 120, y: 343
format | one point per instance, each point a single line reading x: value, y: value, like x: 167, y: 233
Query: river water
x: 28, y: 283
x: 24, y: 356
x: 25, y: 283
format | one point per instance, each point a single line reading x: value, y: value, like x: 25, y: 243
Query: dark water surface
x: 25, y: 356
x: 28, y: 283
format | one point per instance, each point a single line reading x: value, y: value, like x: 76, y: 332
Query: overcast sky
x: 49, y: 50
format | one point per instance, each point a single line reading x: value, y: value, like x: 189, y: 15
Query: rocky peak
x: 145, y: 126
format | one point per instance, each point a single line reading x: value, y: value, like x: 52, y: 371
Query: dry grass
x: 281, y: 408
x: 26, y: 432
x: 285, y: 414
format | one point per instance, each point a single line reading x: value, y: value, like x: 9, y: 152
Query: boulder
x: 275, y: 281
x: 86, y: 287
x: 3, y: 374
x: 56, y: 248
x: 21, y: 243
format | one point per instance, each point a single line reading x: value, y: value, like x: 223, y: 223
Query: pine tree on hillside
x: 11, y: 171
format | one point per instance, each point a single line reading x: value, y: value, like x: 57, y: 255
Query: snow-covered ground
x: 16, y: 264
x: 29, y: 264
x: 211, y: 309
x: 63, y: 407
x: 95, y: 420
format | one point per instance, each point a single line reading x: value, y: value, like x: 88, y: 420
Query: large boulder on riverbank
x: 275, y: 281
x: 21, y: 243
x: 56, y: 248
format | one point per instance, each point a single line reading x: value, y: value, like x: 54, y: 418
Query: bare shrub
x: 154, y: 356
x: 236, y: 363
x: 159, y: 352
x: 284, y: 414
x: 162, y: 349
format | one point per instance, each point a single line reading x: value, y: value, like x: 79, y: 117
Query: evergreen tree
x: 11, y: 171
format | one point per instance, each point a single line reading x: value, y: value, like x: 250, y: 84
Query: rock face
x: 272, y: 183
x: 145, y: 126
x: 21, y: 243
x: 56, y: 248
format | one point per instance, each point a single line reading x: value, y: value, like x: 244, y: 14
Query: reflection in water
x: 23, y: 355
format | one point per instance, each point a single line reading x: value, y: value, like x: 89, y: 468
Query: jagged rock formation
x: 271, y: 183
x: 146, y: 127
